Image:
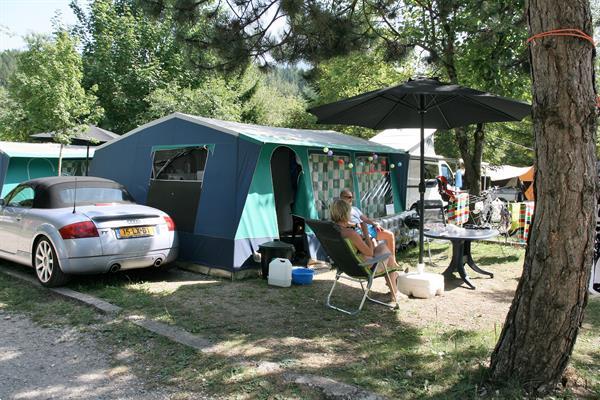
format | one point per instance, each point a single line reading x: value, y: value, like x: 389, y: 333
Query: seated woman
x: 363, y: 245
x: 375, y: 230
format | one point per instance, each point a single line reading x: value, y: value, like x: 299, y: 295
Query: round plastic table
x: 461, y: 239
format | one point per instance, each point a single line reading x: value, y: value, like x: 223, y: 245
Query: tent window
x: 73, y: 168
x: 329, y: 177
x: 183, y: 164
x: 374, y: 185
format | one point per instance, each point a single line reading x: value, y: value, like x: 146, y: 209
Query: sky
x: 20, y: 17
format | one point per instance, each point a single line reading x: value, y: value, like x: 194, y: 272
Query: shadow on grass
x: 41, y: 305
x: 375, y: 350
x: 592, y: 313
x: 498, y: 260
x: 453, y: 281
x: 501, y: 295
x: 289, y: 326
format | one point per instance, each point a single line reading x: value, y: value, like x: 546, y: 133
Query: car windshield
x: 93, y: 195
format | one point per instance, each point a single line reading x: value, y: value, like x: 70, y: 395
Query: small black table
x: 461, y: 239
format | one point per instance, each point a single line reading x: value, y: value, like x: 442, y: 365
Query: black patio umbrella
x: 421, y: 103
x: 93, y: 135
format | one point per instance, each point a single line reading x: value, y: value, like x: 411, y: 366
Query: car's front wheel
x: 47, y: 267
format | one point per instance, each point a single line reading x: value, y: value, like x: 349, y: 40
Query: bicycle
x: 490, y: 212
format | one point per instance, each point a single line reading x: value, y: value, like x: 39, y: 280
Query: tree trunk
x: 471, y: 157
x: 542, y: 324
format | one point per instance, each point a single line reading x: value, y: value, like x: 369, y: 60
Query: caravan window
x: 447, y: 173
x: 182, y: 164
x: 431, y: 170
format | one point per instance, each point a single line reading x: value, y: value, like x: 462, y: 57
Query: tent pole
x: 60, y: 151
x: 87, y: 159
x: 422, y: 180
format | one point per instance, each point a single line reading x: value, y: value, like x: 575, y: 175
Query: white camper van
x: 409, y: 140
x: 433, y: 167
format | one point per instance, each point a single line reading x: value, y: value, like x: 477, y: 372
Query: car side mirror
x: 2, y: 203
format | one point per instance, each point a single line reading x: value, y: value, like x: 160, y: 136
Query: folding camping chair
x: 346, y: 262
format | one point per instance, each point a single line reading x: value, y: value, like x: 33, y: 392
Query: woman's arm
x: 364, y: 246
x: 369, y: 221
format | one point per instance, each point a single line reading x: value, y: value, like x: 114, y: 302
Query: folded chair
x: 348, y: 265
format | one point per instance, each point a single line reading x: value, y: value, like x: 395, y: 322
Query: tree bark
x: 542, y: 325
x: 471, y: 156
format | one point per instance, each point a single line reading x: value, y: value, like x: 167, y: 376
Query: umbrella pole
x: 421, y: 266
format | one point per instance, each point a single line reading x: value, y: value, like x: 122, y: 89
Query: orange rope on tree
x: 566, y: 32
x: 563, y: 32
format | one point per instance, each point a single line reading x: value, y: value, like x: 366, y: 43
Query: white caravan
x: 409, y: 140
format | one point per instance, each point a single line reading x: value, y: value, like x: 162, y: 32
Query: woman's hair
x: 340, y: 211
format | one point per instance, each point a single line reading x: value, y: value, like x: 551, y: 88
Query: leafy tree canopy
x: 356, y: 73
x: 128, y: 57
x: 250, y: 97
x: 143, y: 71
x: 45, y: 92
x: 234, y: 33
x: 8, y: 64
x: 474, y: 43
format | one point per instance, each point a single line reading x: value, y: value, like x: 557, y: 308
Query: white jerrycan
x: 280, y: 272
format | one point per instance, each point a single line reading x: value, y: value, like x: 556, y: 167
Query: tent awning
x: 42, y: 150
x: 505, y: 172
x: 300, y: 137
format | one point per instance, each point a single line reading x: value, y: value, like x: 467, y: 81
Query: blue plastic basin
x: 302, y: 276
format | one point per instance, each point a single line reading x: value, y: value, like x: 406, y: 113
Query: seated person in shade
x: 374, y: 229
x: 363, y: 245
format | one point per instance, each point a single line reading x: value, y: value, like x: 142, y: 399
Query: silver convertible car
x: 82, y: 225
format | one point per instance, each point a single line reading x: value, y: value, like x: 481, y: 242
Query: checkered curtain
x: 329, y: 177
x: 525, y: 215
x: 374, y: 185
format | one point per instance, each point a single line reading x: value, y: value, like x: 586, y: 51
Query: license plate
x: 135, y: 232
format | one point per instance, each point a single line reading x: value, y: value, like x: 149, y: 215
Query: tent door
x: 285, y: 170
x: 178, y: 199
x: 176, y: 184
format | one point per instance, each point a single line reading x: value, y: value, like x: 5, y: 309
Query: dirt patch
x: 48, y: 362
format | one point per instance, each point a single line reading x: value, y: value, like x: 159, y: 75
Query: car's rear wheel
x: 46, y: 264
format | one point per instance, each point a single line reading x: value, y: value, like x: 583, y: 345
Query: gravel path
x: 61, y: 363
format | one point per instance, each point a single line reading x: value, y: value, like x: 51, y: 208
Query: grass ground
x: 436, y: 348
